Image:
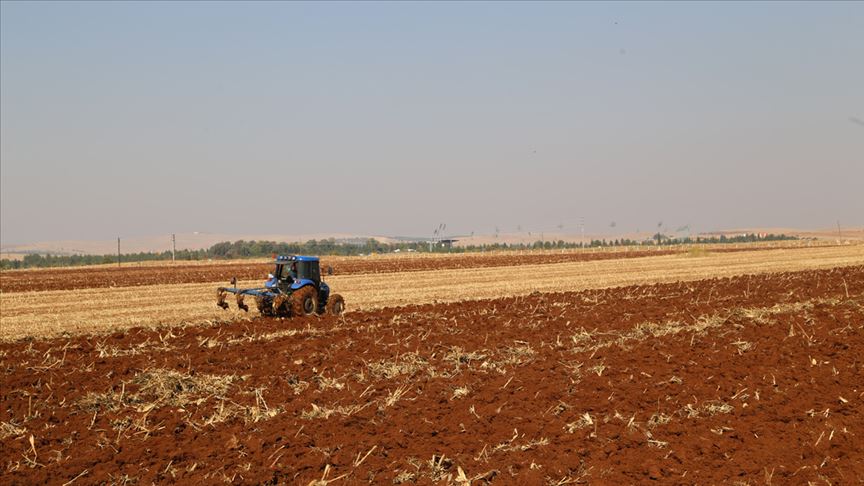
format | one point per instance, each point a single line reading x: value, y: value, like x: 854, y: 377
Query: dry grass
x: 707, y: 409
x: 99, y: 310
x: 160, y: 387
x: 406, y: 364
x: 11, y: 429
x: 583, y: 422
x: 586, y: 342
x: 697, y: 251
x: 325, y: 412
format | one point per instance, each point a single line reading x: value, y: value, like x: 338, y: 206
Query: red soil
x: 516, y: 390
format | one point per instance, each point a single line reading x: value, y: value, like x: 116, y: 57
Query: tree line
x: 240, y: 249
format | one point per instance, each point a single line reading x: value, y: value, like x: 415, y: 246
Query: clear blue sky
x: 123, y: 118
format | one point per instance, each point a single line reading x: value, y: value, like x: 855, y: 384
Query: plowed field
x: 131, y: 274
x: 47, y: 313
x: 749, y: 379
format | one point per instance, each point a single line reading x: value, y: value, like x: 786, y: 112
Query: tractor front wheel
x: 335, y: 305
x: 304, y: 301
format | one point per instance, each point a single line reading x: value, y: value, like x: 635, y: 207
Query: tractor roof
x: 295, y: 258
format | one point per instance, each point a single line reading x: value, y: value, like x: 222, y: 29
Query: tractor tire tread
x: 298, y: 300
x: 335, y: 305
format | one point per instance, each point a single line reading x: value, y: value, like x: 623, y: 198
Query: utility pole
x: 582, y: 226
x: 173, y: 246
x: 118, y: 252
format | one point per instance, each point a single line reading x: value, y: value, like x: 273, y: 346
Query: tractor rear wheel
x: 335, y: 305
x: 304, y: 301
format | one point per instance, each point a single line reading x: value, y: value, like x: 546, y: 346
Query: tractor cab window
x: 314, y: 272
x: 284, y: 272
x: 298, y: 270
x: 308, y: 270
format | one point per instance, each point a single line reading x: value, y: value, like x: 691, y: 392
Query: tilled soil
x: 752, y: 379
x: 72, y: 278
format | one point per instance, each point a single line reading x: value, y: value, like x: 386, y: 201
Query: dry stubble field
x: 37, y: 312
x: 741, y: 368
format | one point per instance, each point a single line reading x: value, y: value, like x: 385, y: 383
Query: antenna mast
x: 582, y: 227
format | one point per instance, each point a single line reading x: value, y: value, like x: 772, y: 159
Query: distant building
x: 448, y: 243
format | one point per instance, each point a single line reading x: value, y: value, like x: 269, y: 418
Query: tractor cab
x: 293, y: 272
x: 291, y: 268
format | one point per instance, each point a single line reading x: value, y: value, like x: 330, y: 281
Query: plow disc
x: 220, y: 298
x: 240, y: 304
x: 263, y: 298
x: 265, y: 305
x: 279, y: 307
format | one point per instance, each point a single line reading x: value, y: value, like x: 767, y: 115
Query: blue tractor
x: 295, y: 288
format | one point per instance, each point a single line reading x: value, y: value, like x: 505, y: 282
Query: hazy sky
x: 131, y: 119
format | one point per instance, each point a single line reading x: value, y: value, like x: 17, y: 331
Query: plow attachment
x: 268, y: 301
